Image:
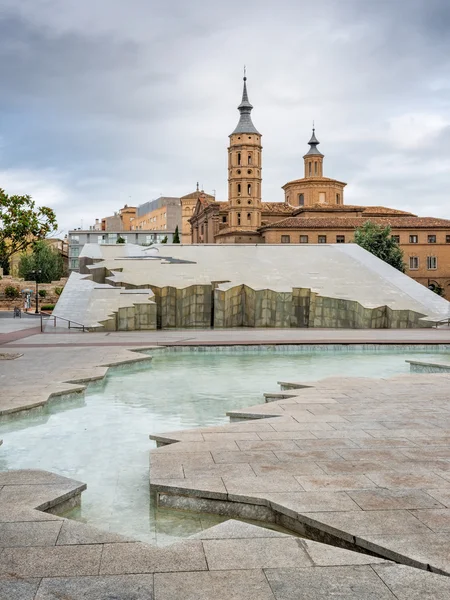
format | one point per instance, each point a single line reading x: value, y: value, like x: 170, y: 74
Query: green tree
x: 379, y: 241
x: 120, y: 240
x: 164, y: 240
x: 176, y: 236
x: 21, y: 224
x: 44, y: 258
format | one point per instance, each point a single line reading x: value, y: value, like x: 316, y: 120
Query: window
x: 413, y: 262
x: 431, y: 262
x: 249, y: 216
x: 239, y: 188
x: 413, y: 239
x: 239, y: 218
x: 322, y: 239
x: 249, y: 159
x: 447, y: 239
x: 149, y: 239
x: 74, y: 263
x: 431, y: 239
x: 338, y: 198
x: 315, y: 168
x: 301, y: 199
x: 224, y: 219
x: 322, y: 197
x: 340, y: 239
x: 395, y: 238
x: 249, y: 189
x: 303, y: 239
x: 75, y: 251
x: 285, y: 239
x: 310, y: 169
x: 239, y: 158
x: 74, y: 239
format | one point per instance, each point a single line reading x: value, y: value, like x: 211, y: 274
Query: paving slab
x: 217, y: 585
x: 109, y: 587
x: 349, y: 583
x: 118, y: 559
x: 257, y: 553
x: 383, y: 499
x: 15, y: 588
x: 413, y: 584
x: 41, y: 533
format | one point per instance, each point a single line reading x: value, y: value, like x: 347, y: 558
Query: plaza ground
x: 360, y: 464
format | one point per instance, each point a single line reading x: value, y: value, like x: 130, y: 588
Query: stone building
x: 313, y: 211
x: 122, y: 220
x: 161, y: 214
x: 188, y: 204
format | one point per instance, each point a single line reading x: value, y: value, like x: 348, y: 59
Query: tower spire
x: 245, y: 124
x: 314, y: 142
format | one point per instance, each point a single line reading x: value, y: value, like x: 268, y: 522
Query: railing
x: 442, y: 322
x: 70, y: 322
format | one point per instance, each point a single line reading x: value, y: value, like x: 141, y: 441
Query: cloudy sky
x: 107, y: 102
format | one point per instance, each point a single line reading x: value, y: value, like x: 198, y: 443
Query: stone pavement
x: 45, y: 557
x: 359, y: 463
x: 32, y: 380
x: 237, y: 336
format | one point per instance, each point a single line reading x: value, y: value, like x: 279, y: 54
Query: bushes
x: 42, y: 293
x: 11, y: 292
x: 47, y: 307
x: 58, y: 291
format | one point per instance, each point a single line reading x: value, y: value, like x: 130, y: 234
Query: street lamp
x: 36, y: 274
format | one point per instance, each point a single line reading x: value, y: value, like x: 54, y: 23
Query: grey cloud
x: 138, y: 98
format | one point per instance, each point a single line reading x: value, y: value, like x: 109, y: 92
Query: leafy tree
x: 120, y: 240
x: 164, y: 240
x: 44, y: 258
x: 176, y: 236
x: 11, y: 292
x: 436, y: 288
x: 21, y: 224
x: 379, y: 241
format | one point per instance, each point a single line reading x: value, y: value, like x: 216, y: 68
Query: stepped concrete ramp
x: 323, y: 285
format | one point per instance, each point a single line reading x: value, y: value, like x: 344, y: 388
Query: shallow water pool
x: 102, y: 438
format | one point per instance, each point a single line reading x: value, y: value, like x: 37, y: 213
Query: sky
x: 112, y: 102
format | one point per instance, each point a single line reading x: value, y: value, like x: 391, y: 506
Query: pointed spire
x: 314, y: 142
x: 245, y: 124
x: 197, y: 187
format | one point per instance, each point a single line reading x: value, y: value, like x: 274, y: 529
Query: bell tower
x: 244, y: 170
x: 313, y: 158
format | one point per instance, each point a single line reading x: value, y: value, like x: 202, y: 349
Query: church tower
x: 244, y: 170
x: 313, y: 158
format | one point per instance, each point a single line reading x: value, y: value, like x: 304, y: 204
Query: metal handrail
x: 54, y: 317
x: 442, y: 321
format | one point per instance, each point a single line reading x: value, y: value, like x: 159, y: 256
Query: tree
x: 379, y: 241
x: 436, y: 288
x: 44, y: 258
x: 164, y: 240
x: 120, y: 240
x: 21, y: 224
x: 176, y: 236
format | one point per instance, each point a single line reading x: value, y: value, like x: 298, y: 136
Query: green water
x: 102, y: 439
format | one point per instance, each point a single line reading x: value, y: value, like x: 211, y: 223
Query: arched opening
x: 239, y: 189
x: 301, y: 199
x: 249, y: 189
x: 249, y: 159
x: 239, y: 218
x: 239, y: 158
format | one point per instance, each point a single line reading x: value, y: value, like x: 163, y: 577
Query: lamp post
x: 36, y: 274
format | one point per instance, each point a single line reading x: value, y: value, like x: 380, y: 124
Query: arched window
x: 249, y: 159
x: 239, y: 189
x: 249, y: 189
x: 301, y: 199
x: 249, y: 216
x: 315, y: 167
x: 239, y: 158
x: 338, y: 198
x: 310, y: 168
x: 239, y: 218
